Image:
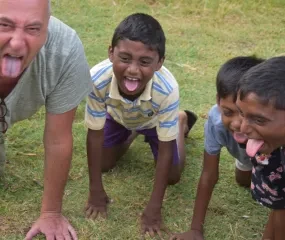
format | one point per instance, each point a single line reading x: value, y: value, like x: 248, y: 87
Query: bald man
x: 42, y: 63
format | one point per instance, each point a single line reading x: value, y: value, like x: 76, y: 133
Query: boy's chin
x: 265, y: 149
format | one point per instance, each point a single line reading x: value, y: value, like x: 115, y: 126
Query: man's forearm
x: 95, y: 140
x: 57, y: 163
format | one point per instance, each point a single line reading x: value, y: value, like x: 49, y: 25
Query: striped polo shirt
x: 157, y: 106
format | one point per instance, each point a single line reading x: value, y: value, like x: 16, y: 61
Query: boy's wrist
x: 153, y: 205
x: 197, y: 227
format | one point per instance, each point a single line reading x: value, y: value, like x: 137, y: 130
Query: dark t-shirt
x: 268, y: 180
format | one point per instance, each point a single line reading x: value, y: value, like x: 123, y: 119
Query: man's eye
x: 33, y: 30
x: 5, y: 26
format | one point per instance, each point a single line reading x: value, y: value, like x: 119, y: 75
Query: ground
x: 201, y: 35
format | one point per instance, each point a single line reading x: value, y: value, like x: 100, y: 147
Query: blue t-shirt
x: 217, y: 136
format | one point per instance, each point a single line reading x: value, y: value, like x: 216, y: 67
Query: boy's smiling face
x: 231, y: 118
x: 134, y: 64
x: 263, y: 124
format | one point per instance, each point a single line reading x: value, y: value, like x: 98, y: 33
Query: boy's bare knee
x: 172, y: 180
x: 108, y: 166
x: 243, y: 178
x: 243, y: 182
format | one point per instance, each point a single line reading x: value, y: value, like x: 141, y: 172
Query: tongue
x: 253, y: 146
x: 240, y: 137
x: 11, y: 66
x: 131, y: 85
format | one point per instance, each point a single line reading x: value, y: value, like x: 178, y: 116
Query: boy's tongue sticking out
x: 11, y: 66
x: 131, y: 83
x: 253, y: 146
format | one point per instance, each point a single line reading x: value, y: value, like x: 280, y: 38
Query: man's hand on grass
x: 53, y: 226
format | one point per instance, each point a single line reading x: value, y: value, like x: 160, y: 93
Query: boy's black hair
x: 267, y: 81
x: 144, y: 28
x: 230, y: 74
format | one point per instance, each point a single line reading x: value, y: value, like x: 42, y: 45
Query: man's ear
x: 160, y: 63
x: 111, y: 53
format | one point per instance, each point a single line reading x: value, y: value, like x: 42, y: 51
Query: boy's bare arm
x: 208, y: 179
x: 98, y: 199
x: 151, y: 218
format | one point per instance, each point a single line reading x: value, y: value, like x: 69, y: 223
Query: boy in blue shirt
x: 222, y: 129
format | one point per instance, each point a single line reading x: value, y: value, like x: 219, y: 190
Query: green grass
x: 201, y: 35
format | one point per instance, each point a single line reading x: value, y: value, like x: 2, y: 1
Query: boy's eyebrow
x: 226, y: 108
x: 146, y: 58
x: 130, y: 55
x: 256, y: 115
x: 124, y: 53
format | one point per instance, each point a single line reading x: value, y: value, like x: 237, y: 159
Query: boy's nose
x: 235, y: 125
x: 133, y: 69
x: 245, y: 127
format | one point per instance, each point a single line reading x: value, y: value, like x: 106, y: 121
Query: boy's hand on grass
x: 97, y: 205
x: 53, y: 226
x: 190, y: 235
x: 152, y: 224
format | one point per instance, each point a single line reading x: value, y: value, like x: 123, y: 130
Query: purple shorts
x: 115, y: 134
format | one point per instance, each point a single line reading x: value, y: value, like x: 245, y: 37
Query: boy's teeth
x: 132, y: 79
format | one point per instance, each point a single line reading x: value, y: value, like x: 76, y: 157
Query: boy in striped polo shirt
x: 134, y: 94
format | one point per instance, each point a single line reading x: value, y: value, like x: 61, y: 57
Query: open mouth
x: 11, y: 65
x: 240, y: 137
x: 131, y: 83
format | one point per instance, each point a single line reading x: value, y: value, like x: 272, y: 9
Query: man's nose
x: 17, y: 41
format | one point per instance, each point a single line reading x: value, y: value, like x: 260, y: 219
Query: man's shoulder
x: 61, y: 38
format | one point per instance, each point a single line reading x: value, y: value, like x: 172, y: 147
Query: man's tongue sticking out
x: 131, y: 84
x: 11, y: 66
x: 252, y: 146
